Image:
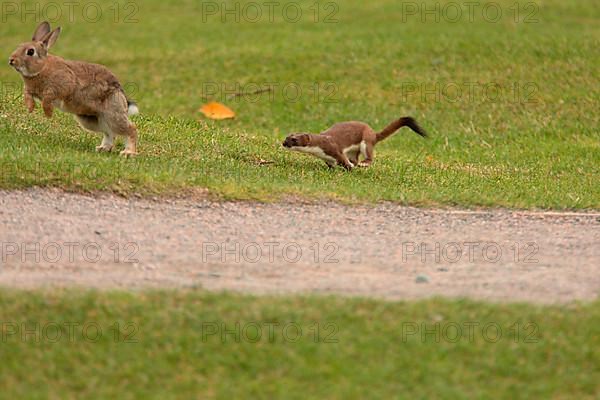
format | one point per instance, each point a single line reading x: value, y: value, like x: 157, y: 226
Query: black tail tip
x: 412, y: 124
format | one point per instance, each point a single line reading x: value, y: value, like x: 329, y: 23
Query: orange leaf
x: 217, y: 111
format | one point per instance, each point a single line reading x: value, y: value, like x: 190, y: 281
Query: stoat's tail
x: 132, y: 108
x: 394, y: 126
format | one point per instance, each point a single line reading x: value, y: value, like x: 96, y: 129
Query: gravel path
x: 386, y: 251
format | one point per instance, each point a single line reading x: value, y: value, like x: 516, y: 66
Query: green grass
x: 360, y: 352
x: 537, y: 146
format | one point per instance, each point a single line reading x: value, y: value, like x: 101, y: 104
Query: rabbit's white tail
x: 132, y: 108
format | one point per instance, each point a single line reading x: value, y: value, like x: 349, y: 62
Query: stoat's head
x: 297, y: 140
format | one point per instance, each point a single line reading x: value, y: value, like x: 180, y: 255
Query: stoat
x: 343, y: 143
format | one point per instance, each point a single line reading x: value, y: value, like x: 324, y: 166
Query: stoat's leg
x: 354, y: 157
x: 367, y: 152
x: 343, y: 161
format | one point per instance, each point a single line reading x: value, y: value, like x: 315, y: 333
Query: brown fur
x: 89, y: 91
x: 343, y: 143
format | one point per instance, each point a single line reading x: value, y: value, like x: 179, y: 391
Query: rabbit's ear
x: 42, y: 30
x: 50, y: 38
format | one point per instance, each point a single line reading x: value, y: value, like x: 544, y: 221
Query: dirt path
x: 386, y: 251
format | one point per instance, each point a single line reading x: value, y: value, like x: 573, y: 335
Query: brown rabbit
x: 89, y: 91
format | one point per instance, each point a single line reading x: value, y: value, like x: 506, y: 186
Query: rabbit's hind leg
x: 117, y: 121
x: 94, y: 124
x: 130, y: 132
x: 119, y: 124
x: 107, y: 143
x: 130, y: 140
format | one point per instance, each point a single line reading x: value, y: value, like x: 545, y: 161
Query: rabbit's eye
x: 30, y: 52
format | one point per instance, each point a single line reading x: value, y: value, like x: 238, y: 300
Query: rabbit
x: 89, y: 91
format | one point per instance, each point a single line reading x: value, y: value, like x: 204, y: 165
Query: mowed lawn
x: 511, y: 105
x: 195, y: 345
x: 512, y: 109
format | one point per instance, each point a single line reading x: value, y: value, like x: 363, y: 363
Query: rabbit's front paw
x: 29, y: 103
x: 48, y: 109
x: 104, y: 148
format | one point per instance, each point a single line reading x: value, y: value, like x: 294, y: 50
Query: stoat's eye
x: 30, y: 52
